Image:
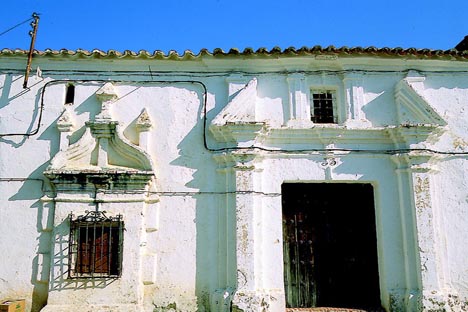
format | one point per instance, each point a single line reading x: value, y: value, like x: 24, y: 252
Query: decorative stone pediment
x: 102, y: 147
x: 237, y: 122
x: 241, y: 108
x: 412, y: 108
x: 102, y: 152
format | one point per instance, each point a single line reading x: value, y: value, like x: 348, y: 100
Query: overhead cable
x: 233, y: 148
x: 19, y: 24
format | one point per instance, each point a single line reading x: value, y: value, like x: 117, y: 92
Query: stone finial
x: 106, y: 95
x: 65, y: 126
x: 144, y: 122
x: 65, y: 121
x: 143, y: 125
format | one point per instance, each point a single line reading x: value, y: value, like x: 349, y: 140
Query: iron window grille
x: 95, y: 246
x: 322, y: 108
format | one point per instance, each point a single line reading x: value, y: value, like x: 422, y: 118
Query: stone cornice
x: 99, y: 179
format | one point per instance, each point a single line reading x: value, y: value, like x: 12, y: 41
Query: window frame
x: 334, y: 106
x: 101, y: 255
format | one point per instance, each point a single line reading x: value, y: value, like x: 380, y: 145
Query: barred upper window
x: 96, y: 243
x: 322, y: 107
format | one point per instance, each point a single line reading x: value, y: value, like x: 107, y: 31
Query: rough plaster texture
x: 204, y: 232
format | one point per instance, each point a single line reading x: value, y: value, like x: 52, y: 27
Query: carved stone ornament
x: 102, y: 154
x: 106, y: 95
x: 65, y: 121
x: 144, y: 122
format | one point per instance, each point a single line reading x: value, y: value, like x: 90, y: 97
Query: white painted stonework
x: 193, y: 154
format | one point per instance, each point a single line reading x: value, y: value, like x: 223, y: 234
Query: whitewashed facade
x: 192, y: 152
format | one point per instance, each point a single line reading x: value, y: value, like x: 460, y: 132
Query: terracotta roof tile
x: 397, y: 52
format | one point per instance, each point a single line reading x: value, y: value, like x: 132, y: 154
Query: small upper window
x: 322, y: 107
x: 70, y: 94
x: 96, y: 243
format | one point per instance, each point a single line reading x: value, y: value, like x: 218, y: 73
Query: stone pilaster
x: 415, y: 173
x: 299, y: 106
x: 249, y: 295
x: 428, y: 233
x: 354, y: 97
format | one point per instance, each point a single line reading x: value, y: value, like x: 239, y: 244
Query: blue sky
x: 180, y: 25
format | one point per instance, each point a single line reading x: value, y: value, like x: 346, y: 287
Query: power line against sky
x: 181, y: 25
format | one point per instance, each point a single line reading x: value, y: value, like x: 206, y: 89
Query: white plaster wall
x: 452, y: 212
x: 195, y: 233
x: 449, y: 95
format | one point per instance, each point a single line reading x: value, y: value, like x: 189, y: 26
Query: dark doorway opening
x: 330, y: 246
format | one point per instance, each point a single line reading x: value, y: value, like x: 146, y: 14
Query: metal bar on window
x: 109, y: 252
x: 101, y: 257
x: 95, y: 245
x: 120, y: 245
x: 322, y: 107
x: 71, y: 242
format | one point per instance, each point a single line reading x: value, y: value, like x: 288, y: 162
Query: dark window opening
x: 70, y: 94
x: 322, y: 107
x: 330, y: 246
x: 96, y: 243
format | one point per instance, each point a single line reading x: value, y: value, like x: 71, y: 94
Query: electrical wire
x: 47, y: 84
x: 163, y: 193
x: 41, y: 109
x: 205, y: 141
x: 18, y: 25
x: 232, y: 148
x: 24, y: 180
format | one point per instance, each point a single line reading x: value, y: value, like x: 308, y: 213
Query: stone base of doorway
x: 329, y: 309
x: 93, y: 308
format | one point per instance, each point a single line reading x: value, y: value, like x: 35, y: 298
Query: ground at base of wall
x: 327, y: 309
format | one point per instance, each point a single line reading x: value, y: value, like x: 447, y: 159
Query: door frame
x: 348, y: 189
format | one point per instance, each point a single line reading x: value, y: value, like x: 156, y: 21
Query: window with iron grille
x: 322, y: 107
x: 96, y: 243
